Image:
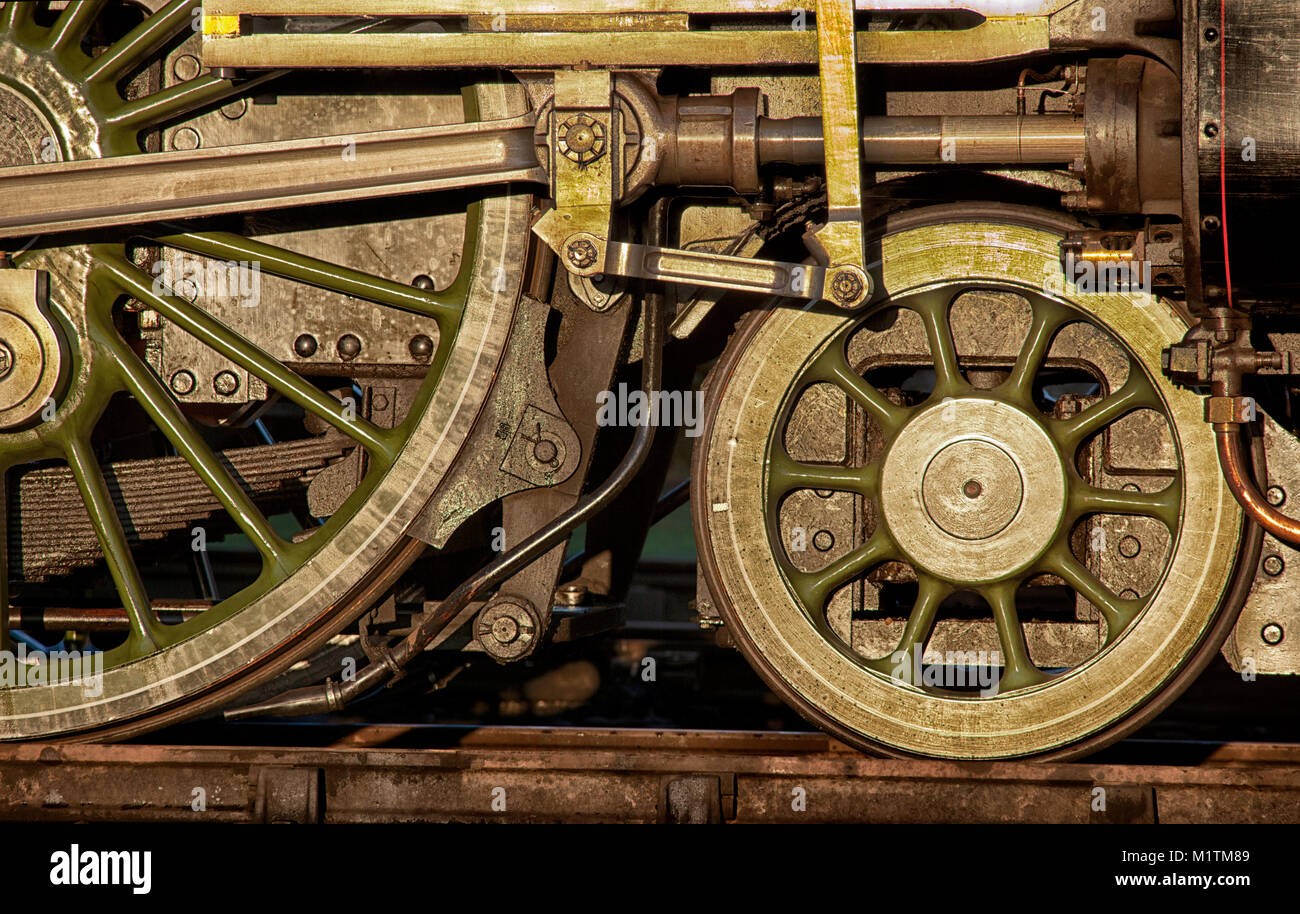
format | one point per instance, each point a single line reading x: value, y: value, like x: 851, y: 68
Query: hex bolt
x: 305, y: 345
x: 1276, y: 495
x: 1129, y: 547
x: 424, y: 282
x: 225, y: 383
x: 183, y: 382
x: 823, y: 541
x: 349, y: 347
x: 420, y: 347
x: 1273, y: 565
x: 1272, y: 633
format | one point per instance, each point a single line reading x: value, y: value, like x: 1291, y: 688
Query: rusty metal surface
x: 564, y: 775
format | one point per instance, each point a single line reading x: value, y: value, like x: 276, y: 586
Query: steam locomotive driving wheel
x: 162, y: 422
x: 973, y: 521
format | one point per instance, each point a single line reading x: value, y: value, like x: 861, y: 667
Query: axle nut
x: 848, y: 286
x: 581, y: 254
x: 507, y: 629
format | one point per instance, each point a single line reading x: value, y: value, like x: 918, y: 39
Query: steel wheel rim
x: 774, y: 638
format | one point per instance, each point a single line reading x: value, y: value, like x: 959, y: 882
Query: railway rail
x: 414, y: 773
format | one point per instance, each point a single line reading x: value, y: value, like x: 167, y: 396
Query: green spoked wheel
x: 974, y: 522
x: 90, y: 356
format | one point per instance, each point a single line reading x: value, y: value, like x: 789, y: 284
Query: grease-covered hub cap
x: 973, y: 490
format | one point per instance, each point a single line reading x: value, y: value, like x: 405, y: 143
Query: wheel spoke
x: 441, y: 306
x: 933, y: 308
x: 15, y: 15
x: 137, y: 45
x: 785, y: 475
x: 211, y: 332
x: 1048, y: 320
x: 1135, y: 394
x: 1164, y: 505
x: 832, y: 367
x: 1018, y: 670
x: 112, y: 540
x: 815, y: 587
x: 903, y: 663
x: 182, y: 99
x: 166, y: 414
x: 70, y: 27
x: 1117, y: 612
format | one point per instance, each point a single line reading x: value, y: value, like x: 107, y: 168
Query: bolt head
x: 349, y: 347
x: 1129, y: 547
x: 1273, y: 565
x: 420, y: 347
x: 305, y: 345
x: 183, y: 382
x: 581, y: 254
x: 1272, y: 633
x: 847, y: 287
x: 6, y: 360
x: 545, y: 451
x: 225, y: 383
x: 1276, y: 495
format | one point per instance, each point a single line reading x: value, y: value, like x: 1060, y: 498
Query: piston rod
x: 1043, y: 139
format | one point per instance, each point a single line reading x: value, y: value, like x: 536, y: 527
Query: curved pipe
x: 333, y: 696
x: 1236, y: 470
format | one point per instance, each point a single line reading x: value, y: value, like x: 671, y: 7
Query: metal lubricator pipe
x: 1236, y: 471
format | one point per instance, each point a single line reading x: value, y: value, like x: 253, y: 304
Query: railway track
x: 422, y: 773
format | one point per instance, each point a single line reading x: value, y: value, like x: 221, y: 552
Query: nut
x: 581, y: 139
x: 507, y: 629
x: 1229, y: 410
x: 581, y: 254
x: 571, y: 594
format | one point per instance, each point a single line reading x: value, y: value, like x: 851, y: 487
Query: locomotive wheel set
x: 312, y: 312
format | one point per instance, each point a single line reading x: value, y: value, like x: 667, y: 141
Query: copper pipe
x: 1236, y: 470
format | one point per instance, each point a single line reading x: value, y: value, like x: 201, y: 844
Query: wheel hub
x: 973, y: 490
x: 30, y: 356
